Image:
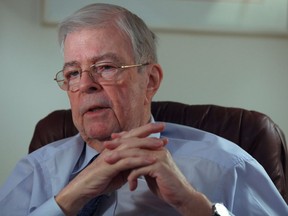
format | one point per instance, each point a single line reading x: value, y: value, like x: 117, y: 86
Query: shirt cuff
x: 50, y: 207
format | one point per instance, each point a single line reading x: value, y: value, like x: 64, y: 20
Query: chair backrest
x: 253, y: 131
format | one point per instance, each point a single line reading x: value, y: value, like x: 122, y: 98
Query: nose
x: 88, y: 84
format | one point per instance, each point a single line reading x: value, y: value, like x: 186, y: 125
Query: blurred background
x: 237, y: 66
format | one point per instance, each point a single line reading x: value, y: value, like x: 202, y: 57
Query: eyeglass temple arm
x: 135, y: 65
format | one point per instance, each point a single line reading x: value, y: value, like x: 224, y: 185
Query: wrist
x: 69, y: 204
x: 196, y: 205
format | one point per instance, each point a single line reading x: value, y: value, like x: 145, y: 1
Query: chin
x: 100, y: 132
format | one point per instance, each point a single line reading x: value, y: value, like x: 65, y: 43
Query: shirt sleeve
x: 28, y: 192
x: 249, y: 191
x: 50, y: 207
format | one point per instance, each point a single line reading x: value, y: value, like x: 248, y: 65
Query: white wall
x: 239, y: 71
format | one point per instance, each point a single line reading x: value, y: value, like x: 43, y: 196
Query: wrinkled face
x: 98, y: 109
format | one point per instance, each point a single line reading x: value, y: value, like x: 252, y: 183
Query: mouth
x: 96, y: 109
x: 93, y: 106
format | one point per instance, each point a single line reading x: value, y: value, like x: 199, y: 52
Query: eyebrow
x: 70, y: 64
x: 107, y: 57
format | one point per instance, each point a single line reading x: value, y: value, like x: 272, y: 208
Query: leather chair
x: 253, y: 131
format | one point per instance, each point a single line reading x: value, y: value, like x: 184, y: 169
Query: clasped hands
x: 127, y: 156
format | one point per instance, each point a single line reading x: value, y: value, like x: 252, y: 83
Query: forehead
x: 92, y: 44
x: 107, y: 57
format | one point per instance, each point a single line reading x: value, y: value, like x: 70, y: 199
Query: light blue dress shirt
x: 213, y: 165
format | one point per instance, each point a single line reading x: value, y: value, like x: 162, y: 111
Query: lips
x: 95, y: 112
x: 94, y: 105
x: 96, y: 109
x: 93, y: 109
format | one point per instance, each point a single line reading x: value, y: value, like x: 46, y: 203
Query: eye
x: 106, y: 70
x: 104, y: 67
x: 71, y: 74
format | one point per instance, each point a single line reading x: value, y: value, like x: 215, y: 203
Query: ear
x: 155, y: 75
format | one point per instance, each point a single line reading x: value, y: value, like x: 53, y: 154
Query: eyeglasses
x: 69, y: 78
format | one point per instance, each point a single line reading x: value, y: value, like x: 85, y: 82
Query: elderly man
x: 122, y: 162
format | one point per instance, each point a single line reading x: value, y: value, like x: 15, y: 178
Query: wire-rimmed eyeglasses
x: 69, y: 78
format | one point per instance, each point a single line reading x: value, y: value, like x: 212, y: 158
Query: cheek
x: 74, y: 104
x: 72, y: 100
x: 128, y: 104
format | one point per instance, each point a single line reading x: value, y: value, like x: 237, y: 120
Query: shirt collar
x: 86, y: 156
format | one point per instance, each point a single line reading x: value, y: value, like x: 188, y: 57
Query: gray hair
x: 98, y: 15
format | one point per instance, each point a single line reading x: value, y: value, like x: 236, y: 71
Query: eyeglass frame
x: 121, y: 67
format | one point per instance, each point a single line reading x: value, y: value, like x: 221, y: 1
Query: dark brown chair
x: 253, y: 131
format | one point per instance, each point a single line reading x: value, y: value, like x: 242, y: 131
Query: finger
x: 118, y: 135
x: 135, y: 174
x: 145, y: 143
x: 145, y: 130
x: 133, y: 184
x: 129, y: 164
x: 114, y: 156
